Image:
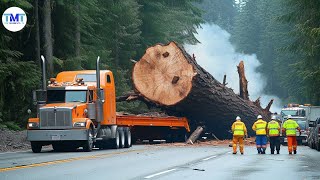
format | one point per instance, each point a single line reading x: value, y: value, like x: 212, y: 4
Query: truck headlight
x: 33, y: 125
x: 79, y: 124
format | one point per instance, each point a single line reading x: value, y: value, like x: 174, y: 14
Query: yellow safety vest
x: 260, y: 127
x: 238, y: 129
x: 273, y: 127
x: 290, y: 126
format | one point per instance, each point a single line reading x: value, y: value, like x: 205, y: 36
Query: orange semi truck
x: 73, y: 112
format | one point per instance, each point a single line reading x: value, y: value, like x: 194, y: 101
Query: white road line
x: 157, y: 174
x: 206, y: 159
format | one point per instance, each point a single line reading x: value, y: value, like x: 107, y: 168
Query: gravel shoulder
x: 11, y: 141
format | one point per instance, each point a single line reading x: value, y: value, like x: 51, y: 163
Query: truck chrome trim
x: 55, y: 118
x: 57, y: 135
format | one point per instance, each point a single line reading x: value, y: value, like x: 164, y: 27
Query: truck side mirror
x: 311, y: 124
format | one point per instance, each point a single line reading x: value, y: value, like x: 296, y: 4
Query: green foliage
x: 117, y: 31
x: 11, y: 125
x: 285, y: 36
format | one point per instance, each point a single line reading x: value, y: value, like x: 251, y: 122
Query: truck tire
x: 88, y: 144
x: 36, y: 147
x: 57, y: 147
x: 122, y: 137
x: 318, y: 146
x: 127, y: 135
x: 115, y: 143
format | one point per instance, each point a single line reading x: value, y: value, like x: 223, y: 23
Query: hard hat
x: 273, y: 117
x: 259, y: 117
x: 238, y: 118
x: 289, y: 116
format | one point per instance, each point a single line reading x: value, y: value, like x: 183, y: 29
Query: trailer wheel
x: 115, y: 143
x: 88, y: 145
x: 36, y: 147
x: 127, y: 135
x: 122, y: 137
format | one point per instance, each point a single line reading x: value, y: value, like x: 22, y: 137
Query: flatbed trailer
x: 169, y: 128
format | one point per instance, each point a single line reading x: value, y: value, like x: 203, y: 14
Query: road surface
x: 161, y: 162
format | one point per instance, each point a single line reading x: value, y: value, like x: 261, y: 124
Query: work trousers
x: 235, y: 141
x: 292, y: 143
x: 274, y: 143
x: 261, y: 143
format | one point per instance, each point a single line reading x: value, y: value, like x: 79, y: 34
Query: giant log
x: 169, y: 77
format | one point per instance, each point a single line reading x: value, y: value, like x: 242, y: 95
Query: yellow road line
x: 67, y: 160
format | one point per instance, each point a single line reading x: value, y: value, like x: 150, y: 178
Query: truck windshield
x: 289, y: 112
x: 61, y: 96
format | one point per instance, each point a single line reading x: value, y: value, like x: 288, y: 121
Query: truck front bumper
x: 57, y: 135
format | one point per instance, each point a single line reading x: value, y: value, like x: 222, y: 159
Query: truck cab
x: 298, y: 114
x: 78, y: 109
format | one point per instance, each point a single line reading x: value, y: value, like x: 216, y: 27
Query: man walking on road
x: 273, y: 130
x: 289, y: 127
x: 239, y: 129
x: 260, y: 126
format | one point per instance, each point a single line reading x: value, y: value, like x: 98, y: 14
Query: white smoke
x: 216, y: 54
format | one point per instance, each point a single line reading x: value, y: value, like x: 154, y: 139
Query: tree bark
x: 225, y: 80
x: 196, y: 94
x: 243, y: 83
x: 47, y: 35
x: 37, y: 33
x: 77, y: 28
x: 195, y: 135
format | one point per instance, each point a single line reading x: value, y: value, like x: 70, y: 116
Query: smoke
x: 216, y: 54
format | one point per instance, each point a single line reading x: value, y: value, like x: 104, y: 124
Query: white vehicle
x: 303, y: 114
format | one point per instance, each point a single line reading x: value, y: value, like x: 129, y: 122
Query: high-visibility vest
x: 238, y: 129
x: 260, y: 127
x: 273, y: 127
x: 290, y: 126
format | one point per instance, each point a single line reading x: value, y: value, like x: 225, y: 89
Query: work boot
x: 290, y: 152
x: 241, y: 153
x: 259, y: 150
x: 295, y: 151
x: 272, y: 152
x: 234, y: 153
x: 278, y: 152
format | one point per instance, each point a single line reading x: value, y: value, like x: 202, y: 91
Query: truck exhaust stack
x: 44, y: 86
x: 99, y: 109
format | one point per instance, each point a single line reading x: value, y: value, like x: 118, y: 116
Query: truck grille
x: 58, y: 118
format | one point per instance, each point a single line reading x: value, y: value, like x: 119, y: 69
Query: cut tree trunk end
x: 160, y: 75
x: 195, y: 135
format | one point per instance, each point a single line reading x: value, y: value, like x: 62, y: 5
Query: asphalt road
x: 161, y: 162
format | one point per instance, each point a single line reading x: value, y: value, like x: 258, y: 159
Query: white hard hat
x: 238, y: 118
x: 259, y: 117
x: 289, y: 116
x: 273, y: 117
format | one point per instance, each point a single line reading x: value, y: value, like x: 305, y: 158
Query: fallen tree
x: 170, y: 78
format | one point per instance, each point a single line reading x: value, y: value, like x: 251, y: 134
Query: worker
x: 289, y: 127
x: 273, y: 130
x: 239, y: 130
x: 260, y: 126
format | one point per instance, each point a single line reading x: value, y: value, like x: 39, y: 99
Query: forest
x: 284, y: 34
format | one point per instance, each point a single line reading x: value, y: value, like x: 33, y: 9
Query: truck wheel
x: 57, y: 147
x: 115, y: 143
x: 88, y: 145
x: 122, y: 138
x: 36, y: 147
x: 318, y: 146
x: 127, y: 140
